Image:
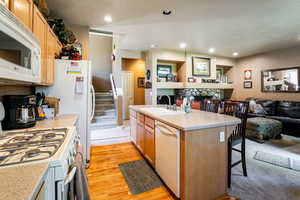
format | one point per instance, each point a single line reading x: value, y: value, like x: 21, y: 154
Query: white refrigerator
x: 73, y: 86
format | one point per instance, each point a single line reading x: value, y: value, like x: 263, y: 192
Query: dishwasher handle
x: 165, y: 130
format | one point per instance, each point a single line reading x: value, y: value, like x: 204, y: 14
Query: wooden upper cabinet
x: 22, y: 9
x: 39, y: 28
x: 58, y: 47
x: 51, y: 50
x: 5, y: 2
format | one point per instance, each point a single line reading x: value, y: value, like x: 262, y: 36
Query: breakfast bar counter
x: 187, y: 150
x: 194, y: 120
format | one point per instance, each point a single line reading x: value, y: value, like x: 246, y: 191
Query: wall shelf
x: 169, y: 85
x: 181, y: 85
x: 209, y: 85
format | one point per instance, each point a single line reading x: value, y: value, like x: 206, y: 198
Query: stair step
x: 104, y: 106
x: 104, y: 97
x: 104, y: 101
x: 104, y: 119
x: 103, y: 94
x: 108, y: 112
x: 103, y: 125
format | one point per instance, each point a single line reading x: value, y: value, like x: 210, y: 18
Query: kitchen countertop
x: 194, y: 120
x: 62, y: 121
x: 21, y: 182
x: 57, y: 122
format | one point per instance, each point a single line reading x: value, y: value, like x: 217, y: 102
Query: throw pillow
x: 258, y: 109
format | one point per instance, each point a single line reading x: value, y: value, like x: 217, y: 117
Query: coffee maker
x: 19, y: 111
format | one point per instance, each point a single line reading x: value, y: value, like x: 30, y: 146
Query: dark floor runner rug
x: 139, y: 176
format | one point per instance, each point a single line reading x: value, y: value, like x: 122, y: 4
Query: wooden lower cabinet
x: 143, y: 135
x: 140, y: 137
x: 149, y: 141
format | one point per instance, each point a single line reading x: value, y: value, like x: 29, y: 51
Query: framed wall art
x: 247, y: 84
x: 201, y: 66
x: 163, y: 70
x: 141, y: 82
x: 248, y: 74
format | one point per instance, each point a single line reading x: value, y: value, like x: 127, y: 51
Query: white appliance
x: 73, y: 86
x: 55, y: 146
x: 20, y: 53
x: 167, y: 156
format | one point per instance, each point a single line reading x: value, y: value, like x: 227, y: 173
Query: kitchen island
x: 187, y: 150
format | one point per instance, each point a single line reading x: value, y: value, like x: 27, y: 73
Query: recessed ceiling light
x: 211, y: 50
x: 108, y: 18
x: 152, y: 46
x: 235, y: 54
x: 182, y: 45
x: 167, y: 12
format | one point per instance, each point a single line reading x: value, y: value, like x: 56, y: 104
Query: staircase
x: 105, y: 113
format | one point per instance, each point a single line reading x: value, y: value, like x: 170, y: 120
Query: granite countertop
x: 22, y: 182
x: 194, y: 120
x: 57, y: 122
x: 62, y: 121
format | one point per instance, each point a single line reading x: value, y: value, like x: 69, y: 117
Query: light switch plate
x: 222, y: 136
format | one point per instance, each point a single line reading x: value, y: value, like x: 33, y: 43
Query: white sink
x: 161, y: 111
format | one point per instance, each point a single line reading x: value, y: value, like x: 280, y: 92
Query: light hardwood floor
x: 106, y: 181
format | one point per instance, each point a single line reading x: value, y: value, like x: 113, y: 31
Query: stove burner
x: 22, y: 138
x: 32, y: 153
x: 28, y: 146
x: 49, y: 135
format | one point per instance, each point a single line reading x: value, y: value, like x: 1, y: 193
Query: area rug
x: 278, y: 160
x: 139, y: 176
x: 266, y: 181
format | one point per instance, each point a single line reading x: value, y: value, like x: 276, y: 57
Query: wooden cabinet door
x: 51, y: 45
x: 133, y: 129
x: 5, y: 2
x: 39, y: 28
x: 58, y: 47
x: 22, y: 9
x: 140, y: 137
x: 149, y: 144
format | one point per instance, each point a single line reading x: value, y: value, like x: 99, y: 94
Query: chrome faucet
x: 169, y: 98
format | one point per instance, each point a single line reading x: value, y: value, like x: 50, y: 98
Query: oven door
x: 63, y: 185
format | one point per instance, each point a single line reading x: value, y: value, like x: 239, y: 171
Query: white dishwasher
x: 167, y: 155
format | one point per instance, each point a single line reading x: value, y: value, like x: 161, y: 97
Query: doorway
x: 136, y: 91
x: 128, y: 92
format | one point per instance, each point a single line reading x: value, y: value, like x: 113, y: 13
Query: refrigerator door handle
x: 93, y: 102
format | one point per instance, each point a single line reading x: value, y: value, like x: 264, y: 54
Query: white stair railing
x: 117, y: 100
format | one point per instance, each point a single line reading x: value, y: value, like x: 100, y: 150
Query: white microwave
x: 20, y: 53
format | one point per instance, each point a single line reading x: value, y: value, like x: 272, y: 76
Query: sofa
x: 287, y: 112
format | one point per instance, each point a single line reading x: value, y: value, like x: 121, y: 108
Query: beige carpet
x: 266, y: 181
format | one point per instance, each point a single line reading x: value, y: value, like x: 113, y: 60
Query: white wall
x: 100, y: 49
x: 179, y: 56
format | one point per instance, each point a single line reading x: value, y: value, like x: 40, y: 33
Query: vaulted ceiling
x: 248, y: 27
